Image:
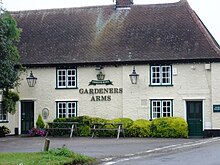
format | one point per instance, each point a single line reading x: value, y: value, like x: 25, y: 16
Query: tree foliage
x: 9, y: 101
x: 10, y: 65
x: 9, y: 56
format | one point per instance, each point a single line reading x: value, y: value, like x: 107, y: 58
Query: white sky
x: 207, y: 10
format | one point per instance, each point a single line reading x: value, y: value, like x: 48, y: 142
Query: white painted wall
x: 192, y: 82
x: 215, y: 95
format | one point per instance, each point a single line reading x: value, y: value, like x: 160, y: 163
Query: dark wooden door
x: 27, y: 116
x: 194, y: 118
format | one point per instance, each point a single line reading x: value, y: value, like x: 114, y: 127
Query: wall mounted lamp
x: 31, y: 80
x: 133, y: 76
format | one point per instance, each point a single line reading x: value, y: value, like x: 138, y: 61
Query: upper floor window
x: 66, y: 109
x: 3, y: 114
x: 161, y: 75
x: 66, y: 78
x: 161, y: 108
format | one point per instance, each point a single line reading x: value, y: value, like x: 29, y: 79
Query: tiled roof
x: 144, y: 33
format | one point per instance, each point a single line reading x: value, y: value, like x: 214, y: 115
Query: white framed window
x: 3, y: 114
x: 66, y: 78
x: 161, y: 75
x: 161, y: 108
x: 66, y: 109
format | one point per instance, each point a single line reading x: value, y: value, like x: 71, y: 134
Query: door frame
x: 19, y: 114
x: 203, y: 109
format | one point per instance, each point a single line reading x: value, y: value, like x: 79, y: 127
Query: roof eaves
x: 167, y: 61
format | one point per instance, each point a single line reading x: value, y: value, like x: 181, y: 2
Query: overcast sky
x: 207, y: 10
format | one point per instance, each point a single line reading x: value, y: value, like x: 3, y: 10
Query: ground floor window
x: 161, y: 108
x: 66, y: 109
x: 3, y: 114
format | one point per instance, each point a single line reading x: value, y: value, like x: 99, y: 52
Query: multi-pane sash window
x: 161, y: 108
x: 66, y: 109
x: 66, y: 78
x: 161, y: 75
x: 3, y: 114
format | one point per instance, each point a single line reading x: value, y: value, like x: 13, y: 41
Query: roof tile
x: 100, y: 34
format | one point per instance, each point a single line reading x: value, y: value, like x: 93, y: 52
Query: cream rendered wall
x: 105, y: 109
x: 45, y: 93
x: 192, y: 82
x: 215, y: 94
x: 12, y: 124
x: 12, y: 119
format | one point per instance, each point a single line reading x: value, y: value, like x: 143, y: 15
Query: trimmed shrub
x: 84, y: 130
x: 169, y: 127
x: 83, y: 127
x: 140, y: 128
x: 2, y: 134
x: 40, y: 122
x: 97, y: 120
x: 127, y: 123
x: 61, y: 119
x: 4, y: 130
x: 101, y: 133
x: 85, y: 123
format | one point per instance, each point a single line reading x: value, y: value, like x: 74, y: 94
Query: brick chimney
x: 124, y: 3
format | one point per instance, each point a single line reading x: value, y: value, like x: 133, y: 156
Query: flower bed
x: 37, y: 132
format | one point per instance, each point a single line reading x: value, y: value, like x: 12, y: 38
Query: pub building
x: 117, y: 61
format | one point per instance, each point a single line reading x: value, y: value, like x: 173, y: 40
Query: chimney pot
x: 124, y: 3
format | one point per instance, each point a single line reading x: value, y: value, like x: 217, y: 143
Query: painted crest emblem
x: 100, y: 80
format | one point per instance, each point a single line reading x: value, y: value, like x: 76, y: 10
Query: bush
x: 83, y: 126
x: 97, y: 120
x: 172, y: 127
x: 127, y: 123
x: 4, y: 130
x: 140, y: 128
x: 40, y: 122
x: 61, y: 119
x: 85, y: 123
x: 84, y: 130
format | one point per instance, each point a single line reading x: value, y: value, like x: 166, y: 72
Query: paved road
x: 109, y: 150
x: 200, y: 152
x: 200, y: 155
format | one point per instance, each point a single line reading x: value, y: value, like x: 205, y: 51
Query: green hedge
x: 140, y: 128
x: 172, y: 127
x: 127, y: 123
x: 83, y: 127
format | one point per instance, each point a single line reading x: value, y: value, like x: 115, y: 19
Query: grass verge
x: 58, y: 156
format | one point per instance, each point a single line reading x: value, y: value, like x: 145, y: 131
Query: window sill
x: 4, y: 121
x: 161, y: 85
